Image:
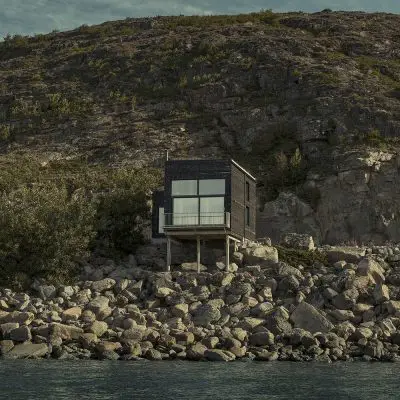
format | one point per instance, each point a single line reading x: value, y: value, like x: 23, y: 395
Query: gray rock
x: 28, y: 350
x: 371, y: 268
x: 102, y: 285
x: 65, y: 332
x: 206, y: 314
x: 381, y: 293
x: 153, y: 354
x: 260, y: 255
x: 219, y: 355
x: 99, y: 328
x: 21, y: 334
x: 99, y: 306
x: 261, y: 339
x: 346, y: 300
x: 343, y: 253
x: 47, y: 291
x: 6, y: 346
x: 196, y: 352
x: 307, y: 317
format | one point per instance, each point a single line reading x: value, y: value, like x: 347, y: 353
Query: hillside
x: 300, y: 99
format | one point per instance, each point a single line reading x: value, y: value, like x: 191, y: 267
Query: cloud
x: 42, y: 16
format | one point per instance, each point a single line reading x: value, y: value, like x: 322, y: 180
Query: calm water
x: 184, y: 380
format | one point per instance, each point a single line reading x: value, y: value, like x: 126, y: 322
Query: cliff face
x: 308, y: 102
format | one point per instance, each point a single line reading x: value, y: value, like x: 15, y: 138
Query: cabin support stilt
x: 168, y: 253
x: 198, y: 253
x: 227, y: 253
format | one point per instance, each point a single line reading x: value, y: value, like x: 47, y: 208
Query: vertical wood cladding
x: 237, y: 202
x: 240, y: 202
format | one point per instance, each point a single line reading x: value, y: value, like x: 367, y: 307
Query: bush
x: 124, y: 210
x: 44, y: 231
x: 295, y: 257
x: 52, y: 214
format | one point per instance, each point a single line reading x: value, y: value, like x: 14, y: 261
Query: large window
x: 211, y: 210
x: 198, y: 202
x: 186, y: 211
x: 184, y: 188
x: 211, y: 186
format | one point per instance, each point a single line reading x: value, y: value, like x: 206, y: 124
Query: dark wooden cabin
x: 205, y: 199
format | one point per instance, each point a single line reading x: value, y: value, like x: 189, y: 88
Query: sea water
x: 103, y: 380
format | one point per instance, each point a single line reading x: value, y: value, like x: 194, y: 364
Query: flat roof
x: 218, y: 159
x: 242, y: 169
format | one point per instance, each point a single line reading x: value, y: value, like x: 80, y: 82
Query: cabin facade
x: 205, y: 199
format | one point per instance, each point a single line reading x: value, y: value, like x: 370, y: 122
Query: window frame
x: 198, y: 196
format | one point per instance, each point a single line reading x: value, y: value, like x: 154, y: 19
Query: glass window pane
x: 211, y: 186
x: 212, y: 210
x: 161, y: 220
x: 186, y: 211
x: 186, y: 187
x: 247, y: 216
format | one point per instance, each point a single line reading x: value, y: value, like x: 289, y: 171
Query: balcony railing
x: 181, y: 220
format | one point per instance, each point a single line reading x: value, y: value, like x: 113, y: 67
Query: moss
x: 296, y: 257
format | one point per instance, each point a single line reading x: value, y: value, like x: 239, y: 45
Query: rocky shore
x: 262, y: 308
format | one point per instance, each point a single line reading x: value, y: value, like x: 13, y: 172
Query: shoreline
x: 338, y: 304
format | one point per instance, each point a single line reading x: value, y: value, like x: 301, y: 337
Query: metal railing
x: 197, y: 219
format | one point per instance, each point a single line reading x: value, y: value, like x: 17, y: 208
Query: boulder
x: 371, y: 268
x: 153, y: 354
x: 180, y: 310
x: 260, y: 255
x: 344, y: 253
x: 99, y: 306
x: 298, y: 241
x: 6, y: 346
x: 307, y: 317
x: 103, y: 284
x: 22, y: 318
x: 46, y: 291
x: 28, y: 350
x: 192, y: 266
x: 261, y: 339
x: 21, y: 334
x: 99, y: 328
x: 5, y: 329
x: 206, y: 314
x: 341, y: 315
x: 71, y: 314
x: 196, y: 352
x: 219, y: 355
x: 65, y: 332
x: 346, y: 300
x: 381, y: 293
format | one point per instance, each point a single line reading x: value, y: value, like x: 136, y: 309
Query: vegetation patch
x: 297, y: 257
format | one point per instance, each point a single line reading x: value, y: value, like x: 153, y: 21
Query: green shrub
x: 295, y: 257
x: 44, y: 231
x: 52, y: 214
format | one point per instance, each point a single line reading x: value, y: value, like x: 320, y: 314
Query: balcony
x: 198, y: 220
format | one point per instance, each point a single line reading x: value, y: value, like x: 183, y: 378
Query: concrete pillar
x: 227, y: 252
x: 168, y: 254
x: 198, y: 253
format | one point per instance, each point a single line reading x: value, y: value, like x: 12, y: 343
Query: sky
x: 28, y: 17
